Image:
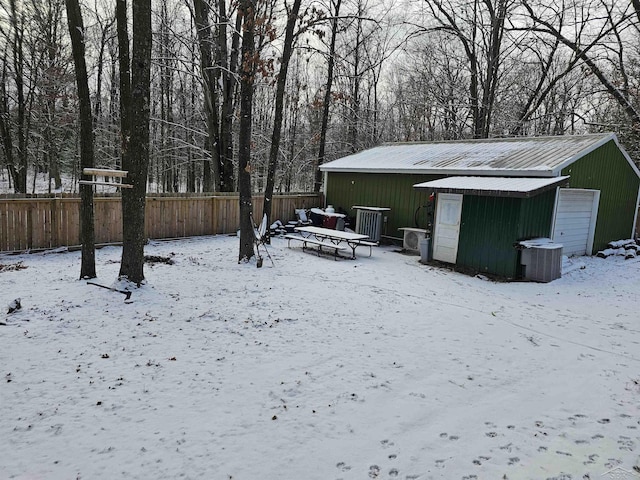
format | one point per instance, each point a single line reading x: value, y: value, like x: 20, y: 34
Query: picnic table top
x: 332, y: 234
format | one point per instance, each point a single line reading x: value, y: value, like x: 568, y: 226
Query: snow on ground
x: 377, y: 367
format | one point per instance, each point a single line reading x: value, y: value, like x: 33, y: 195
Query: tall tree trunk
x: 49, y: 23
x: 124, y: 80
x: 247, y: 70
x: 21, y: 180
x: 5, y: 127
x: 498, y: 13
x: 211, y: 177
x: 19, y: 171
x: 87, y: 231
x: 136, y: 161
x: 327, y: 98
x: 278, y: 113
x: 356, y: 81
x: 229, y: 83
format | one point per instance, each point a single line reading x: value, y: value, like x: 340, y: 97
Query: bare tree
x: 274, y: 151
x: 327, y: 94
x: 595, y: 24
x: 87, y: 231
x: 479, y: 26
x: 247, y: 74
x: 218, y: 66
x: 210, y: 87
x: 104, y: 122
x: 135, y: 108
x: 15, y: 155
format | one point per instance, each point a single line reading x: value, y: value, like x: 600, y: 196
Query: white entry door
x: 575, y: 220
x: 447, y: 227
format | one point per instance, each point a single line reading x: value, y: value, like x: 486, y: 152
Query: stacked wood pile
x: 624, y: 248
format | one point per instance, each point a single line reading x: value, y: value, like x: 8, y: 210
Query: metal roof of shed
x: 493, y: 186
x: 518, y: 156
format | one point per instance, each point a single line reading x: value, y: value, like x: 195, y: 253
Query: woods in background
x: 327, y: 79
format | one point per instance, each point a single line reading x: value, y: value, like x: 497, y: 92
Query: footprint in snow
x: 625, y: 443
x: 592, y: 459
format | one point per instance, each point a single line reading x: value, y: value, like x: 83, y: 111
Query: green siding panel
x: 491, y: 225
x: 381, y: 190
x: 487, y: 231
x: 606, y: 169
x: 536, y: 215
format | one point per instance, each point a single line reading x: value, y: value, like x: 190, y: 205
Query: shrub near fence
x: 37, y: 222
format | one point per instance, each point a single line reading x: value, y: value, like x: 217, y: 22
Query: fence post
x: 4, y: 227
x: 54, y: 223
x: 214, y: 219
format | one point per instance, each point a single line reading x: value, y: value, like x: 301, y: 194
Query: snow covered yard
x: 316, y: 369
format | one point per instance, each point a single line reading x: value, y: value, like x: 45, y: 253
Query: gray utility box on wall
x: 541, y: 259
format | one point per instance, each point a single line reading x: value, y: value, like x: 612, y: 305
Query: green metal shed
x: 581, y: 191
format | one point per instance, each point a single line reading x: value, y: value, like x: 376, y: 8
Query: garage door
x: 575, y: 220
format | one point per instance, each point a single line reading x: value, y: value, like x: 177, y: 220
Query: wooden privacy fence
x: 34, y: 223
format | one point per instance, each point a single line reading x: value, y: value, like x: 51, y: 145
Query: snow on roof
x: 531, y: 156
x: 498, y: 186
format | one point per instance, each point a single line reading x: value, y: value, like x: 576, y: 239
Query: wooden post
x: 54, y: 223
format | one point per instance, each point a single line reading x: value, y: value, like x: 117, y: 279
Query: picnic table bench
x: 365, y: 243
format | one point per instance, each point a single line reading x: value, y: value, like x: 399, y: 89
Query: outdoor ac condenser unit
x: 369, y: 223
x: 411, y: 239
x: 541, y: 259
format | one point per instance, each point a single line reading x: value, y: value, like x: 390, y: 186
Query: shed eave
x: 517, y: 191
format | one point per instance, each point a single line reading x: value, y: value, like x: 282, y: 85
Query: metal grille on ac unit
x: 369, y: 223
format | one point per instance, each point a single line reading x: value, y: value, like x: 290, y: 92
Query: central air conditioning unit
x: 369, y: 223
x: 412, y: 237
x: 541, y: 259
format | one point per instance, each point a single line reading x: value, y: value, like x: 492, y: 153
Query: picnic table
x: 332, y: 239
